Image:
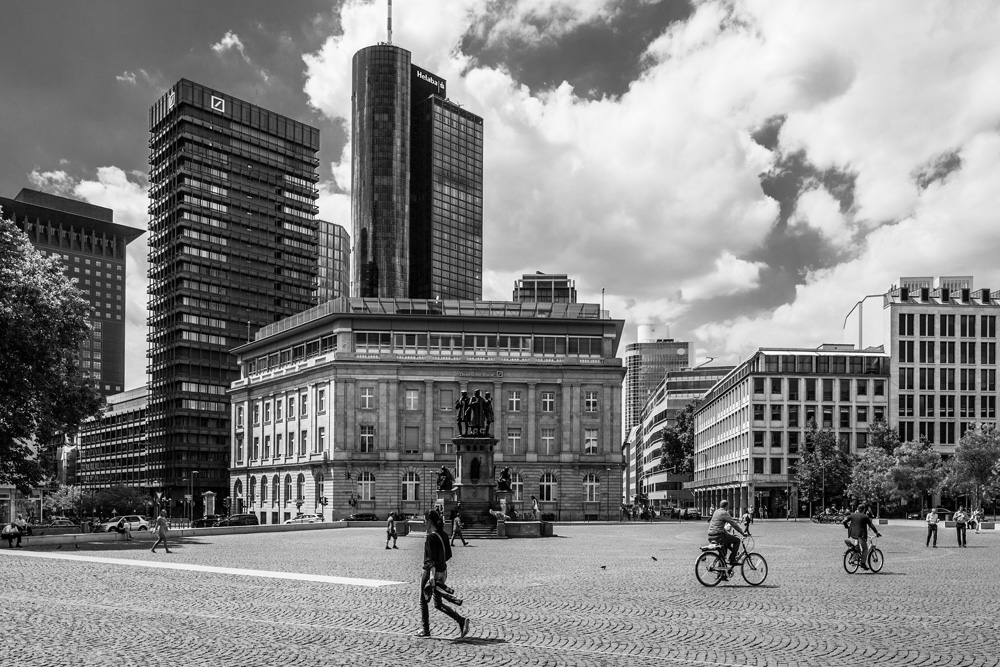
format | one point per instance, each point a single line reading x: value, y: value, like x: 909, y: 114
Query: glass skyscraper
x: 417, y: 183
x: 232, y: 247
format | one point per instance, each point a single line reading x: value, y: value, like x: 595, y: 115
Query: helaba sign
x: 429, y: 79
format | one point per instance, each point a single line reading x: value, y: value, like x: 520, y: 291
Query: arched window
x: 300, y: 487
x: 319, y: 487
x: 591, y: 488
x: 366, y: 486
x: 238, y: 488
x: 263, y: 490
x: 411, y: 486
x: 253, y: 491
x: 547, y: 487
x: 275, y: 489
x: 288, y: 488
x: 517, y: 486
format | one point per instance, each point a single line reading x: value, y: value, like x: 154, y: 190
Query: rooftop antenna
x: 388, y: 22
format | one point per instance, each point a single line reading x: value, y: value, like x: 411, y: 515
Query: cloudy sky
x: 743, y: 172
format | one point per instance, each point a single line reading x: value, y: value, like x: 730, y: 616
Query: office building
x: 233, y: 247
x: 353, y: 402
x: 91, y: 246
x: 112, y: 446
x: 334, y: 279
x: 417, y: 183
x: 543, y: 287
x: 751, y: 426
x: 647, y: 363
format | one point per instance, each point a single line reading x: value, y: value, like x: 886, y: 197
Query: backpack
x: 447, y: 546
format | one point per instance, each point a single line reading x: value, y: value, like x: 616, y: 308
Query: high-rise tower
x: 232, y: 247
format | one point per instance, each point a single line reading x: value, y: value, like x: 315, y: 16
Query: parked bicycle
x: 852, y: 557
x: 710, y: 568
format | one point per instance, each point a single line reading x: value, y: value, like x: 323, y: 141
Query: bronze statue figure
x: 445, y: 480
x: 487, y: 413
x: 476, y: 413
x: 462, y: 413
x: 503, y: 483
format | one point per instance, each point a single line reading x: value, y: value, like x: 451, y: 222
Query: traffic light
x: 322, y: 501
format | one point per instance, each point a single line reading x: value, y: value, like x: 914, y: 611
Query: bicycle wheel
x: 851, y: 561
x: 876, y: 560
x: 709, y: 569
x: 754, y: 569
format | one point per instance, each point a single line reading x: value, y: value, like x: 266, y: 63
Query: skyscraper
x: 233, y: 247
x: 416, y: 199
x: 92, y: 248
x: 647, y: 362
x: 545, y: 287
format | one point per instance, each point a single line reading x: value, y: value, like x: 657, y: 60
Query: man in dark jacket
x: 437, y: 551
x: 857, y: 529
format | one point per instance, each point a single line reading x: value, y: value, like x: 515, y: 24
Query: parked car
x: 362, y: 516
x: 693, y: 513
x: 306, y: 518
x: 206, y: 521
x: 943, y: 513
x: 137, y: 522
x: 60, y: 523
x: 239, y: 520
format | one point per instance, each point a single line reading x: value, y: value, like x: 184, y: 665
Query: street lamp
x: 607, y: 491
x: 861, y: 315
x: 194, y: 473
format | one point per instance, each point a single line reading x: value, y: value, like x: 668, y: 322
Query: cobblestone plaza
x: 620, y: 594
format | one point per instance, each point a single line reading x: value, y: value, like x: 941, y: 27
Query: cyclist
x: 857, y: 529
x: 717, y: 532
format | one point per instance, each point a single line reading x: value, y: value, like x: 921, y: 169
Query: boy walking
x: 390, y: 531
x: 456, y: 528
x: 932, y: 526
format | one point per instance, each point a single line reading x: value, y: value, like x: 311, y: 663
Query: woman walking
x: 161, y: 532
x: 437, y: 551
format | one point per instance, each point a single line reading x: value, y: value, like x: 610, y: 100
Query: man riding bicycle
x: 857, y: 529
x: 717, y: 532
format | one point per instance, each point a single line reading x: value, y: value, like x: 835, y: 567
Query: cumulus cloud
x: 817, y: 208
x: 232, y: 42
x: 127, y: 195
x: 730, y: 275
x: 126, y: 78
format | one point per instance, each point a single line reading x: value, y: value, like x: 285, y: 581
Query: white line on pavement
x: 346, y: 581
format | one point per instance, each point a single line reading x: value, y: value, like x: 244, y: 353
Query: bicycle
x: 852, y: 557
x: 710, y: 568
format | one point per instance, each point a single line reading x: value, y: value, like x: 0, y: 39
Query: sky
x: 740, y: 173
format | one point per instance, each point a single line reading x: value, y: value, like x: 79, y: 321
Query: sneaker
x: 387, y: 546
x: 465, y: 627
x: 424, y: 634
x: 935, y: 546
x: 864, y: 567
x: 394, y: 546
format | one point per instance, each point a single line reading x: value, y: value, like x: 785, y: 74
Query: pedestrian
x: 390, y: 531
x: 12, y: 532
x: 960, y: 520
x: 160, y: 527
x: 433, y: 581
x: 121, y: 526
x: 534, y: 508
x: 932, y: 526
x: 456, y: 528
x: 128, y: 530
x: 977, y: 516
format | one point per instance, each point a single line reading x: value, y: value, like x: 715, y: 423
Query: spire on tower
x: 388, y: 22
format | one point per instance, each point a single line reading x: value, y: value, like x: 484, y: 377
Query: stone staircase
x: 480, y: 531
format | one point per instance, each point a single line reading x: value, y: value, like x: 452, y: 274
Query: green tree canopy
x: 824, y: 468
x: 870, y: 477
x: 43, y: 321
x: 70, y: 500
x: 678, y: 442
x: 975, y: 461
x: 919, y: 471
x: 883, y: 436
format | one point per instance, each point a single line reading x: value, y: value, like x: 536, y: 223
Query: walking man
x: 932, y: 522
x: 433, y: 581
x: 390, y: 531
x: 456, y: 527
x: 160, y: 527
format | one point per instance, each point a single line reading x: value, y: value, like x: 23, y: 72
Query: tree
x: 919, y: 471
x: 678, y: 442
x: 870, y: 477
x: 824, y: 468
x: 975, y: 461
x: 883, y: 436
x: 69, y: 500
x: 120, y: 500
x: 43, y: 321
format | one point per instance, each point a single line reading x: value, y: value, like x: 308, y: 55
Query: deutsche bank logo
x: 171, y: 100
x: 218, y: 104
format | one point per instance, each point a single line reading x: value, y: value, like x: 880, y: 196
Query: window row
x: 931, y: 324
x: 823, y: 415
x: 929, y: 352
x: 797, y: 388
x: 944, y: 379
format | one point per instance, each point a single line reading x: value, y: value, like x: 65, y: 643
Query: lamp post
x: 194, y: 473
x: 607, y: 491
x: 861, y: 315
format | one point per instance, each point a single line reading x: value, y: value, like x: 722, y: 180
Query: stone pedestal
x: 474, y: 476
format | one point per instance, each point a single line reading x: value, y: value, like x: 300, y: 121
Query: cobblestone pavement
x: 595, y: 595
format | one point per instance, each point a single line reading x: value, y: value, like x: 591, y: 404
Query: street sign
x: 188, y: 496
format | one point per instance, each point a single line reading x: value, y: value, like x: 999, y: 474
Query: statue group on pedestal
x: 475, y: 414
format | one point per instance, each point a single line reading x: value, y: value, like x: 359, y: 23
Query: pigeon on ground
x: 654, y: 557
x: 604, y: 567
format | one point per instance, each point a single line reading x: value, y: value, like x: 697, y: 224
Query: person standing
x: 456, y: 528
x: 160, y: 527
x: 433, y: 581
x: 390, y: 531
x: 961, y: 518
x: 932, y: 526
x: 978, y: 516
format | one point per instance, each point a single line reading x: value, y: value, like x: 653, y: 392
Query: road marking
x: 297, y: 576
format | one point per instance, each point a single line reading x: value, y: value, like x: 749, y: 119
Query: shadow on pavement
x: 479, y: 641
x: 118, y: 547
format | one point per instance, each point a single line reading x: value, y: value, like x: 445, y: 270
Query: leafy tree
x: 824, y: 468
x: 870, y: 477
x: 883, y: 436
x: 975, y: 461
x: 678, y: 442
x: 43, y: 321
x: 120, y: 500
x: 70, y: 500
x: 919, y: 471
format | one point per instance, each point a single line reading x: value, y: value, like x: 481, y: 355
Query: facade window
x: 288, y: 488
x: 290, y: 444
x: 547, y: 488
x: 366, y: 485
x: 879, y: 387
x: 793, y: 415
x: 514, y: 441
x: 411, y: 439
x: 793, y: 389
x: 828, y: 390
x: 412, y: 398
x: 267, y: 412
x: 263, y: 490
x: 927, y: 352
x: 776, y: 412
x: 303, y: 404
x: 947, y: 379
x: 810, y: 389
x: 591, y: 488
x: 277, y: 410
x: 989, y: 379
x: 367, y: 433
x: 793, y: 442
x: 277, y: 445
x: 967, y: 379
x: 447, y: 433
x: 447, y: 399
x: 925, y: 323
x: 758, y: 386
x: 776, y: 386
x: 845, y: 416
x: 861, y: 414
x: 275, y: 489
x: 517, y: 486
x: 318, y: 493
x: 367, y: 398
x: 267, y: 446
x: 906, y: 355
x: 758, y: 438
x: 861, y: 388
x: 967, y: 326
x: 411, y: 487
x: 947, y: 352
x: 845, y: 390
x: 967, y: 353
x: 988, y: 407
x: 758, y: 412
x: 988, y: 353
x: 776, y: 439
x: 948, y: 406
x: 256, y: 448
x: 321, y: 401
x: 775, y: 466
x: 300, y: 487
x: 758, y: 466
x: 988, y: 326
x: 926, y: 376
x: 291, y: 407
x: 239, y: 448
x: 548, y: 401
x: 947, y: 326
x: 303, y: 441
x: 513, y: 401
x: 239, y: 416
x: 590, y: 441
x: 878, y: 413
x: 590, y: 401
x: 320, y: 438
x: 548, y: 441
